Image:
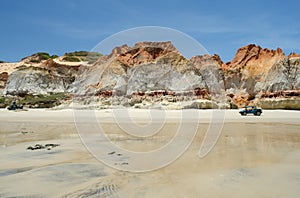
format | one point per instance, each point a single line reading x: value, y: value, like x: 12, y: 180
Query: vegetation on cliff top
x: 38, y: 57
x: 78, y: 56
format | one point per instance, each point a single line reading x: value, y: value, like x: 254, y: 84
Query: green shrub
x: 36, y: 101
x: 77, y: 56
x: 71, y: 59
x: 77, y: 53
x: 93, y: 57
x: 42, y: 56
x: 4, y: 102
x: 54, y: 56
x: 43, y: 101
x: 46, y: 56
x: 33, y: 99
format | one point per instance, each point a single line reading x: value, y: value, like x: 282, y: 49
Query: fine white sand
x: 253, y: 157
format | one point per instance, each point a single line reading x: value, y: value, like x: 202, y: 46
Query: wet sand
x: 253, y: 157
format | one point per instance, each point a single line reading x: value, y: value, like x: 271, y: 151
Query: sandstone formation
x: 283, y: 75
x: 47, y: 77
x: 254, y: 71
x: 156, y: 75
x: 255, y: 59
x: 249, y: 66
x: 144, y: 67
x: 281, y: 103
x: 8, y: 68
x: 210, y: 68
x: 3, y: 80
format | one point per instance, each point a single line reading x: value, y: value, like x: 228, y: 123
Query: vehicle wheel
x: 244, y: 113
x: 257, y: 113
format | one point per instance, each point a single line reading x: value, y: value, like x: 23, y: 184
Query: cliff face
x: 210, y: 68
x: 254, y: 71
x: 141, y: 68
x: 249, y: 66
x: 255, y: 59
x: 156, y: 72
x: 6, y: 69
x: 47, y: 77
x: 283, y: 75
x: 3, y: 81
x: 142, y: 52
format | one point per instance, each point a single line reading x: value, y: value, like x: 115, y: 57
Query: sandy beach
x: 253, y: 157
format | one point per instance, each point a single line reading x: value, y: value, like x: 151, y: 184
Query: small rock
x: 124, y: 163
x: 40, y: 146
x: 51, y: 145
x: 30, y: 148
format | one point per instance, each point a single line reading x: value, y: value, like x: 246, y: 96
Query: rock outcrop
x: 141, y: 68
x: 254, y: 70
x: 6, y: 69
x: 210, y: 68
x: 250, y: 64
x: 47, y: 77
x: 3, y: 80
x: 156, y: 75
x: 255, y: 59
x: 283, y: 75
x: 142, y: 52
x: 280, y: 103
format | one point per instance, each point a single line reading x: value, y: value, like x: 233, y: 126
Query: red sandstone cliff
x: 253, y: 74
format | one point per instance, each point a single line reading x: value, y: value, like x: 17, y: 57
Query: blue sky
x: 59, y: 26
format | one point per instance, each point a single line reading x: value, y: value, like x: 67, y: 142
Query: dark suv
x: 252, y: 110
x: 14, y: 106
